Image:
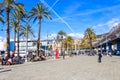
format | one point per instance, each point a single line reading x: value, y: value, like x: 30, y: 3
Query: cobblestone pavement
x: 72, y: 68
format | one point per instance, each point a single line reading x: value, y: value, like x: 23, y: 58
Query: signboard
x: 3, y: 46
x: 11, y: 46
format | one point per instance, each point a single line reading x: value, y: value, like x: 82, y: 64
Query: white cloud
x: 53, y: 36
x: 49, y: 37
x: 111, y: 23
x: 76, y: 35
x: 4, y: 39
x: 1, y: 38
x: 11, y: 39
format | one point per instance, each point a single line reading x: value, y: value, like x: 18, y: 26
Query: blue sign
x: 11, y: 46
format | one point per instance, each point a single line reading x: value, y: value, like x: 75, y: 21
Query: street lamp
x: 106, y: 42
x: 46, y: 46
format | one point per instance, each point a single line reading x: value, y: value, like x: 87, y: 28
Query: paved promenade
x: 72, y: 68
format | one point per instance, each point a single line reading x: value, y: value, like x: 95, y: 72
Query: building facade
x: 110, y: 41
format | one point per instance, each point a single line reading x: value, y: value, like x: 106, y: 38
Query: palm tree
x: 38, y: 13
x: 60, y: 36
x: 1, y: 15
x: 18, y: 15
x: 68, y: 42
x: 90, y: 36
x: 85, y: 44
x: 14, y: 23
x: 8, y: 5
x: 27, y: 31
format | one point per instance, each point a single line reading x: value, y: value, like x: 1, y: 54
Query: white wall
x: 2, y: 46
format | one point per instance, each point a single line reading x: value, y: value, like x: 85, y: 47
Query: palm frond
x: 1, y: 15
x: 39, y: 7
x: 1, y: 11
x: 2, y: 4
x: 1, y: 19
x: 35, y: 19
x: 27, y: 29
x: 19, y: 7
x: 40, y: 11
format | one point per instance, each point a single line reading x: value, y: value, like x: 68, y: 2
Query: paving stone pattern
x: 72, y: 68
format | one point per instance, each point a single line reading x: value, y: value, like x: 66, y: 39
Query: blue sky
x: 74, y: 16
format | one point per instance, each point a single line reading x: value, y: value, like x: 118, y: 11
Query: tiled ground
x: 72, y: 68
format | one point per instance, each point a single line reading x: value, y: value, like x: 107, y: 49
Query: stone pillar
x: 109, y: 46
x: 104, y: 47
x: 118, y: 45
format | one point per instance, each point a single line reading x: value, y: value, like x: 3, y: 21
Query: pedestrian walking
x: 63, y: 54
x: 99, y: 57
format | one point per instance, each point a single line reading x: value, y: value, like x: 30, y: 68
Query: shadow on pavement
x: 4, y: 70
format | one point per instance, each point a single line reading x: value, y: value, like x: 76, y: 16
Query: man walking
x: 63, y: 54
x: 99, y: 57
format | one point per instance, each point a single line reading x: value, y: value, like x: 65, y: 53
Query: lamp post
x: 61, y: 39
x: 67, y: 45
x: 106, y: 43
x: 46, y: 50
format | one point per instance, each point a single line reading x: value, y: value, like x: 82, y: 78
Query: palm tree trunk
x: 38, y: 42
x: 26, y: 40
x: 14, y: 38
x: 18, y: 38
x: 90, y: 47
x: 18, y: 43
x: 26, y: 43
x: 61, y: 46
x: 7, y: 30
